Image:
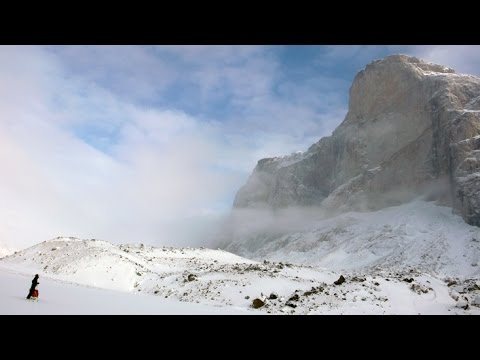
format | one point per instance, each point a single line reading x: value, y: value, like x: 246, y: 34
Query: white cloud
x: 133, y: 72
x: 463, y: 58
x: 82, y: 154
x: 52, y: 182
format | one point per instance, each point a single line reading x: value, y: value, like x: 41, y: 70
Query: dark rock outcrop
x: 340, y: 280
x: 257, y: 303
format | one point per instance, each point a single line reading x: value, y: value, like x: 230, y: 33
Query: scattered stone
x: 474, y: 287
x: 340, y: 280
x: 294, y: 298
x: 257, y: 303
x: 247, y: 297
x: 376, y: 283
x: 462, y: 303
x: 454, y: 295
x: 419, y: 289
x: 273, y: 296
x: 408, y: 280
x: 192, y: 277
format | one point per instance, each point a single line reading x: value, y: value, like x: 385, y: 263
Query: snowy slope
x: 102, y: 264
x: 58, y: 297
x: 418, y: 235
x: 5, y: 250
x: 148, y: 278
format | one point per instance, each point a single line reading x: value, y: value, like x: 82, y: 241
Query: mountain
x: 117, y: 267
x: 412, y: 129
x: 418, y: 235
x: 95, y: 277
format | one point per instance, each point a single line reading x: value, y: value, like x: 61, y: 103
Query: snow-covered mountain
x: 219, y: 281
x: 382, y: 192
x: 418, y: 235
x: 412, y: 128
x: 360, y: 223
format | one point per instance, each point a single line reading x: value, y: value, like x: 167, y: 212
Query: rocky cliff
x: 412, y: 128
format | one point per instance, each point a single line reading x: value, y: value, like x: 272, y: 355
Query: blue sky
x: 127, y: 142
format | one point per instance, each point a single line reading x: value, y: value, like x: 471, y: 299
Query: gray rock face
x: 296, y: 179
x: 412, y: 128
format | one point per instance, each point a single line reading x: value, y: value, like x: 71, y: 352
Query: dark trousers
x: 30, y: 292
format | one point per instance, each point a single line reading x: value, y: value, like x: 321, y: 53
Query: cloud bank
x: 150, y: 143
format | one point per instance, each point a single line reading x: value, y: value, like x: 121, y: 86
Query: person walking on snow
x: 34, y: 284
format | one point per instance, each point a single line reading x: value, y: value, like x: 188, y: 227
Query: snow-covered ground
x: 4, y: 251
x: 143, y: 279
x: 58, y: 297
x: 419, y: 235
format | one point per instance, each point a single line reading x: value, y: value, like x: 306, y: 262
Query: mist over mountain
x: 412, y: 132
x: 381, y: 217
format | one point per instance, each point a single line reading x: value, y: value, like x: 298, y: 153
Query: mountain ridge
x: 411, y: 128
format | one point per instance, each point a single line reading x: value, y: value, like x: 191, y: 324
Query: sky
x: 149, y: 144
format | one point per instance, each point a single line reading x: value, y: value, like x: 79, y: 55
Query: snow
x: 418, y: 234
x: 57, y: 297
x: 470, y: 139
x: 287, y: 160
x: 4, y: 252
x: 96, y: 277
x: 447, y: 74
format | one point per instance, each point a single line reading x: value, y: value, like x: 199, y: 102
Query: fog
x: 134, y: 144
x: 247, y: 230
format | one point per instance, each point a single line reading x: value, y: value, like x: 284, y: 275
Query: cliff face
x: 412, y: 128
